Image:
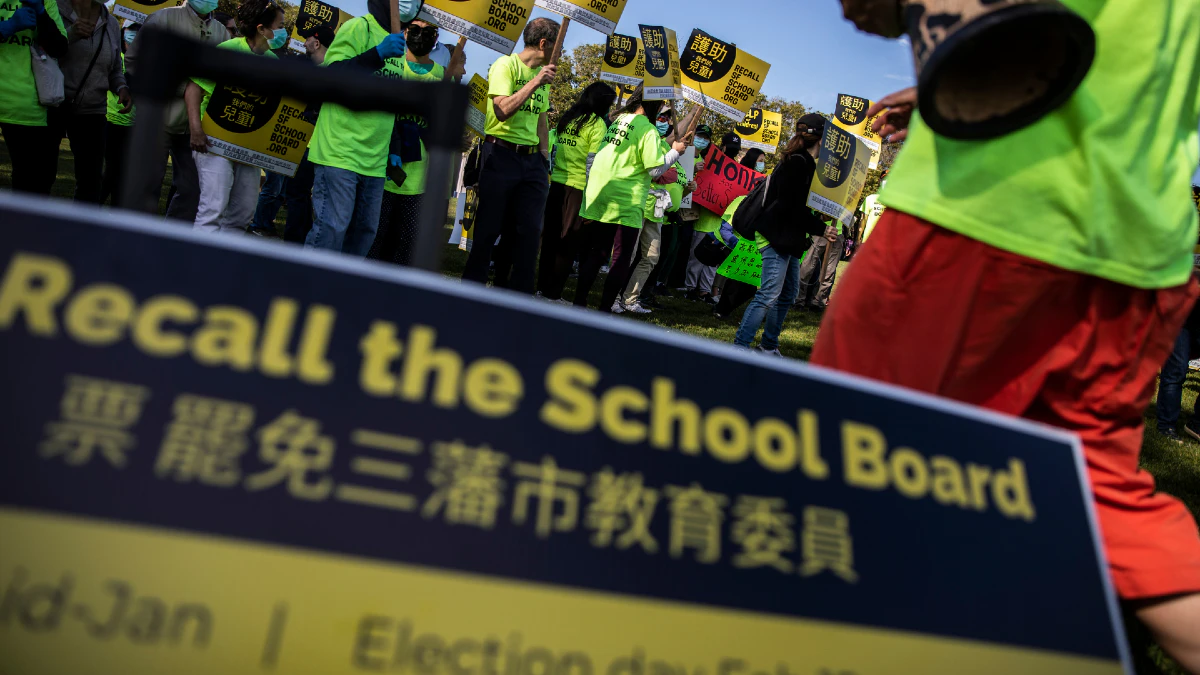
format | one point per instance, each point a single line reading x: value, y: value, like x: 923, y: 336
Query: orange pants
x: 925, y: 308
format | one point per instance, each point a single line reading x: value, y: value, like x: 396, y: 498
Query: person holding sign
x: 1046, y: 273
x: 614, y: 204
x: 700, y: 277
x: 514, y: 181
x: 580, y: 135
x: 228, y: 189
x: 776, y: 216
x: 22, y: 117
x: 398, y: 228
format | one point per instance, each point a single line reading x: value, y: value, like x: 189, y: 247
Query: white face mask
x: 761, y: 167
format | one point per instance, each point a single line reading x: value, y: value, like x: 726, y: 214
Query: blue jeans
x: 270, y: 200
x: 779, y: 289
x: 1170, y: 382
x: 345, y: 210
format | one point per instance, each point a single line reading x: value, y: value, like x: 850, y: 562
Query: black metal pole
x: 431, y: 222
x: 147, y: 145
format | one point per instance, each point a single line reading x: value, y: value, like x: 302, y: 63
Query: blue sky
x: 814, y: 53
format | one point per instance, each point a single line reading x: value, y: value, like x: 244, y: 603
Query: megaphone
x: 985, y: 68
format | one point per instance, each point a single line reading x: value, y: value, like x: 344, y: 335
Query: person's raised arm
x: 507, y: 106
x: 677, y: 150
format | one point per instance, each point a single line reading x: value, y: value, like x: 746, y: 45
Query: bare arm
x: 507, y: 106
x: 192, y: 97
x: 544, y: 134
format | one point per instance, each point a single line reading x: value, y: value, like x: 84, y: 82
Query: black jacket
x: 787, y: 222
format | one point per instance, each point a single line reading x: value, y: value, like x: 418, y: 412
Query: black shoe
x: 662, y: 291
x: 649, y: 301
x: 1192, y: 429
x: 708, y: 299
x: 1172, y: 435
x: 723, y: 318
x: 816, y: 308
x: 693, y: 295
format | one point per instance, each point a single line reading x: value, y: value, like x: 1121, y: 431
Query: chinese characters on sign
x: 851, y: 115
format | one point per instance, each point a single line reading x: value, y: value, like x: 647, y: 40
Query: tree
x: 575, y: 72
x: 290, y: 11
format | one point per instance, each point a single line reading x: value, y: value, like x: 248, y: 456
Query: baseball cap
x: 812, y: 121
x: 324, y: 35
x: 704, y: 130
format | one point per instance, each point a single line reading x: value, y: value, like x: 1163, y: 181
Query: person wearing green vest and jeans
x: 228, y: 189
x: 1046, y: 273
x: 614, y: 204
x: 514, y: 179
x: 22, y: 118
x: 349, y: 149
x: 397, y: 235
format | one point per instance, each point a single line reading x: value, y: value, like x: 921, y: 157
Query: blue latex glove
x: 392, y: 47
x: 394, y: 160
x: 38, y: 7
x: 24, y: 18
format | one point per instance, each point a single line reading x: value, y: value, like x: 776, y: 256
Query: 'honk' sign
x: 186, y: 453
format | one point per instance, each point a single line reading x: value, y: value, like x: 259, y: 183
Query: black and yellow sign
x: 720, y: 77
x: 495, y: 24
x: 663, y: 80
x: 269, y: 132
x: 760, y: 129
x: 841, y: 174
x: 312, y: 15
x: 601, y: 15
x: 332, y: 473
x: 477, y: 110
x: 851, y: 115
x: 624, y: 60
x: 138, y: 12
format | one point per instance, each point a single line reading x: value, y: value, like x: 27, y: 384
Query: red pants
x: 929, y: 309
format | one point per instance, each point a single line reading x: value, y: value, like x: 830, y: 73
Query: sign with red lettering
x: 722, y: 181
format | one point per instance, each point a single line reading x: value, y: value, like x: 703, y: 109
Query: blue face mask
x: 203, y: 7
x: 663, y: 127
x: 130, y: 36
x: 278, y: 39
x: 409, y: 9
x: 761, y: 167
x: 701, y: 143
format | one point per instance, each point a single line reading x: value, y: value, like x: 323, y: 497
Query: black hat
x: 731, y: 139
x: 704, y: 130
x: 814, y: 122
x: 324, y: 35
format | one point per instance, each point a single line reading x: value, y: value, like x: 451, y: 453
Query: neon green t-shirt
x: 872, y: 212
x: 572, y: 150
x: 114, y: 107
x: 506, y: 77
x: 675, y: 190
x: 237, y: 44
x: 18, y: 94
x: 414, y: 184
x: 621, y: 179
x: 1099, y: 186
x: 349, y: 140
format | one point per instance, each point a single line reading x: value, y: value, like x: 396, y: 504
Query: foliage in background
x: 290, y: 11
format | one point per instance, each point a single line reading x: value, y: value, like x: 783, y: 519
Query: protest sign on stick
x: 624, y: 61
x: 312, y: 15
x: 721, y: 77
x: 595, y: 14
x: 270, y: 132
x: 138, y: 11
x: 663, y: 79
x: 851, y: 115
x: 477, y: 111
x: 841, y: 174
x: 495, y: 24
x: 722, y: 181
x: 760, y: 129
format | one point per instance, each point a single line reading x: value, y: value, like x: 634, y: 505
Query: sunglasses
x: 426, y: 31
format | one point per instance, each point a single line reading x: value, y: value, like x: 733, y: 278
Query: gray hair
x: 541, y: 29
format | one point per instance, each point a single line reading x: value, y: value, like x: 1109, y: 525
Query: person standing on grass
x: 819, y: 269
x: 228, y: 189
x: 700, y: 277
x: 672, y: 267
x: 116, y: 133
x: 782, y: 232
x: 1046, y: 273
x: 398, y: 231
x: 580, y: 135
x: 614, y: 204
x: 22, y: 118
x: 191, y: 21
x: 514, y: 179
x: 299, y: 187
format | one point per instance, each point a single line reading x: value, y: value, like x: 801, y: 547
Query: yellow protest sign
x: 312, y: 15
x: 624, y: 60
x: 851, y: 115
x: 624, y: 93
x: 841, y: 174
x: 601, y: 15
x: 720, y: 77
x: 138, y: 12
x: 264, y: 131
x: 663, y: 78
x: 477, y: 111
x: 760, y: 129
x: 495, y: 24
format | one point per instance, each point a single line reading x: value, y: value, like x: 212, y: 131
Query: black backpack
x: 752, y: 208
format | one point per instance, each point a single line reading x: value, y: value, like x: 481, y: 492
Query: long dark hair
x: 594, y: 101
x: 255, y: 13
x: 650, y: 108
x: 750, y: 161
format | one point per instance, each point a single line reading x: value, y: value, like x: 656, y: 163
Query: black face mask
x: 421, y: 41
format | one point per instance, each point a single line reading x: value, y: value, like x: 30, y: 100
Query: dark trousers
x: 669, y: 248
x: 1170, y: 382
x: 299, y: 203
x: 675, y: 273
x: 398, y: 230
x: 116, y: 147
x: 512, y: 199
x: 86, y: 133
x: 184, y: 198
x: 599, y: 241
x: 735, y: 294
x: 34, y: 162
x: 551, y: 239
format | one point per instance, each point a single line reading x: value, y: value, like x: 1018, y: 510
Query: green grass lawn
x: 1176, y: 467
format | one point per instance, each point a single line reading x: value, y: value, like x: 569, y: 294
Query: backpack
x: 752, y: 208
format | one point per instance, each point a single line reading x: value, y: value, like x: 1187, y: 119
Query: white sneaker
x: 604, y: 269
x: 538, y: 296
x: 636, y: 308
x: 769, y: 352
x: 1194, y: 364
x: 617, y: 307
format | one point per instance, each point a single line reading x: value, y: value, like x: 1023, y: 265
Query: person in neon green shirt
x: 579, y: 136
x: 614, y: 203
x: 22, y: 118
x: 396, y: 238
x: 228, y: 189
x: 1046, y: 273
x: 700, y: 277
x: 872, y: 210
x: 514, y: 178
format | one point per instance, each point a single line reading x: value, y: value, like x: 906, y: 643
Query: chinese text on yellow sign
x: 601, y: 15
x: 495, y: 24
x: 851, y: 115
x: 312, y: 15
x: 624, y: 60
x: 720, y: 77
x: 841, y: 174
x: 761, y: 130
x: 663, y: 80
x: 269, y: 132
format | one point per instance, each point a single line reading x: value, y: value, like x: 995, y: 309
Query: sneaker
x: 650, y: 302
x: 661, y: 291
x: 262, y: 232
x: 1192, y: 428
x: 604, y: 269
x: 693, y: 295
x: 1171, y: 435
x: 539, y: 296
x: 617, y: 307
x: 708, y: 299
x: 724, y: 318
x: 1194, y: 364
x: 768, y: 352
x: 637, y: 308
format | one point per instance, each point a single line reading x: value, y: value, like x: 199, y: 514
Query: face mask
x: 130, y: 35
x: 409, y: 9
x: 702, y: 143
x: 202, y: 7
x: 278, y: 39
x: 761, y: 167
x: 663, y: 127
x: 421, y: 41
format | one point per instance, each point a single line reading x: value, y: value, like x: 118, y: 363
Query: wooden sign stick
x: 690, y: 122
x: 462, y: 44
x: 562, y: 38
x: 395, y: 8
